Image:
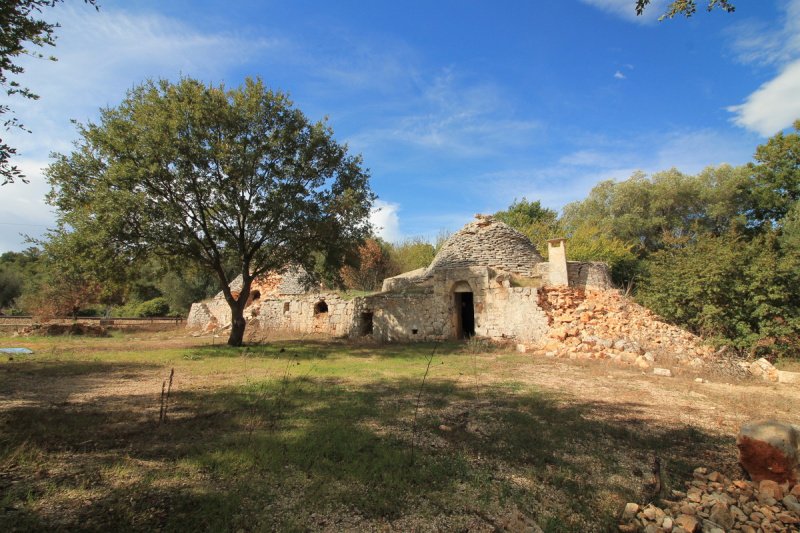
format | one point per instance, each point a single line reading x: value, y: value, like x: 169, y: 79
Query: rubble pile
x: 595, y: 324
x: 714, y: 504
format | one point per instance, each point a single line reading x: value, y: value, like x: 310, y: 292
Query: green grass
x: 310, y: 435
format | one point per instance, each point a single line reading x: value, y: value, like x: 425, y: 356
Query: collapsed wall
x: 603, y: 324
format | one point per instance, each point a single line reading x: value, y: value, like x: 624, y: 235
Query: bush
x: 155, y: 307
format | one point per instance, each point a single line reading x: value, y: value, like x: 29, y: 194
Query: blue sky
x: 458, y: 107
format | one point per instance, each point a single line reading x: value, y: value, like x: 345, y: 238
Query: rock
x: 763, y: 369
x: 665, y: 372
x: 791, y: 503
x: 769, y: 488
x: 630, y: 511
x: 666, y: 525
x: 769, y: 450
x: 721, y: 516
x: 687, y: 522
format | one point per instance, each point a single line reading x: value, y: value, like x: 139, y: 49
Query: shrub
x: 155, y: 307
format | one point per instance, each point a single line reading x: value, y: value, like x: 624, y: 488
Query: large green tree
x: 211, y: 175
x: 22, y: 33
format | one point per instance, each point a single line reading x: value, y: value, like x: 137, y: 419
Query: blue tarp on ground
x: 15, y: 350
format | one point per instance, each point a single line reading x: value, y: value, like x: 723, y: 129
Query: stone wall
x: 301, y: 314
x: 582, y: 274
x: 428, y: 313
x: 514, y: 313
x: 405, y: 317
x: 589, y: 274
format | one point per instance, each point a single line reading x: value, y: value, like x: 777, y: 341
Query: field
x: 322, y: 435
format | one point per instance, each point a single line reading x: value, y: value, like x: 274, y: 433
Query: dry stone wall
x: 302, y: 314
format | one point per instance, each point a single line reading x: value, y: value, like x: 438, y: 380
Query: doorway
x: 465, y: 315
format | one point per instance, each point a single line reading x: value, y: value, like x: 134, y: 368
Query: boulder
x: 763, y: 369
x: 768, y: 450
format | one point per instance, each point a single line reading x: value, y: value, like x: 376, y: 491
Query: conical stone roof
x: 490, y: 243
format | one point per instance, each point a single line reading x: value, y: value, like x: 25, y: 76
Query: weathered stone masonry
x: 485, y: 281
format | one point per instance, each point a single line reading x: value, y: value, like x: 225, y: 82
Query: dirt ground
x: 80, y: 421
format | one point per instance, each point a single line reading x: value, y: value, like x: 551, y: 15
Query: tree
x: 411, y: 254
x: 20, y: 28
x: 373, y: 267
x: 530, y: 218
x: 210, y: 175
x: 776, y: 177
x: 686, y: 7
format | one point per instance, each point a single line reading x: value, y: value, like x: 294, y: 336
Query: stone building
x: 484, y: 281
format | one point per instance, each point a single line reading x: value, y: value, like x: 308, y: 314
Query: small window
x: 285, y: 307
x: 414, y: 331
x: 320, y: 307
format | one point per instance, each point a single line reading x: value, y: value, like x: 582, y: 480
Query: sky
x: 458, y: 107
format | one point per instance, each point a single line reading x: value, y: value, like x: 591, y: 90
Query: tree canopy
x: 213, y: 176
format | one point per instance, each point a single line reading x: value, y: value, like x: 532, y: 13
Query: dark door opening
x: 466, y: 315
x: 366, y: 324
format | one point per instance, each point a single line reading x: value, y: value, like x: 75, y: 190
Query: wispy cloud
x: 619, y: 75
x: 572, y: 176
x: 456, y: 118
x: 775, y: 104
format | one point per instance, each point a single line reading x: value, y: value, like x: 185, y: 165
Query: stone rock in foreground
x: 763, y: 369
x: 713, y: 503
x: 769, y: 451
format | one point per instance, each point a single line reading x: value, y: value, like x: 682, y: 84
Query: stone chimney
x: 557, y: 261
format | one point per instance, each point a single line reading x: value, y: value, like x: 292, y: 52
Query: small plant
x: 162, y: 414
x: 419, y: 398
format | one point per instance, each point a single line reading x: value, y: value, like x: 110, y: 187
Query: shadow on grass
x: 322, y: 349
x: 299, y: 453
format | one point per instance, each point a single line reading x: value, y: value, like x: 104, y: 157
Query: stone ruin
x: 486, y: 281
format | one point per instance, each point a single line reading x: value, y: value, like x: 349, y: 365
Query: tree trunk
x: 238, y: 324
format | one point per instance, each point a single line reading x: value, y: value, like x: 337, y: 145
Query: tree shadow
x: 302, y: 453
x: 323, y: 349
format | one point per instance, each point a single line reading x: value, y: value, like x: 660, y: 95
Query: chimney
x: 557, y: 260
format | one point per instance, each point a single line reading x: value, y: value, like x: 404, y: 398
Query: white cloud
x: 386, y: 221
x: 775, y: 104
x: 626, y: 9
x: 619, y: 75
